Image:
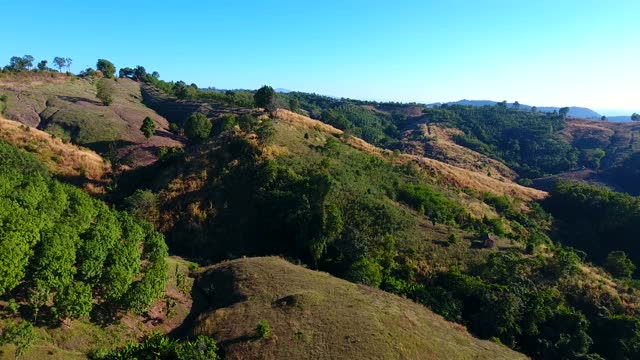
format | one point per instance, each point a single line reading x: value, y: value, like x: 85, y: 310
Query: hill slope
x: 62, y: 159
x: 314, y: 315
x: 67, y: 107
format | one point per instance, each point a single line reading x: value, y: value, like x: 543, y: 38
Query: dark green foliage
x: 60, y: 244
x: 596, y: 220
x: 266, y: 98
x: 619, y: 265
x: 224, y: 123
x: 107, y: 68
x: 197, y: 127
x: 148, y: 127
x: 158, y: 347
x: 247, y: 122
x: 105, y: 91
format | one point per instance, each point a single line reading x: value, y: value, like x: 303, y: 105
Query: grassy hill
x: 66, y: 106
x: 315, y: 316
x: 65, y: 160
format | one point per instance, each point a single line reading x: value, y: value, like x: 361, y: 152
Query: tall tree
x: 564, y: 111
x: 635, y: 117
x: 67, y: 62
x: 60, y: 62
x: 106, y: 67
x: 266, y: 98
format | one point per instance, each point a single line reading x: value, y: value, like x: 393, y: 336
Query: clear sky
x: 539, y: 52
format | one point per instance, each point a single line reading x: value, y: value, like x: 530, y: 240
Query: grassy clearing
x: 314, y: 315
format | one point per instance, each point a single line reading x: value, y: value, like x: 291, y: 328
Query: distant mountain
x: 574, y: 111
x: 284, y: 91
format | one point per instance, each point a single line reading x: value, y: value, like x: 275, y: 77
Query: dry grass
x: 61, y: 158
x: 316, y: 316
x: 455, y: 176
x: 443, y: 148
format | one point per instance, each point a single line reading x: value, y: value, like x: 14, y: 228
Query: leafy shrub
x: 263, y: 329
x: 197, y: 127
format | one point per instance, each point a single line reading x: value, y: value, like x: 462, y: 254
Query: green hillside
x: 315, y: 316
x: 403, y: 199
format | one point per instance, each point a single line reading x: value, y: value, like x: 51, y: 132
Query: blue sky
x: 540, y: 52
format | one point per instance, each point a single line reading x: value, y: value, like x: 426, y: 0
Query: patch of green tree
x: 65, y: 253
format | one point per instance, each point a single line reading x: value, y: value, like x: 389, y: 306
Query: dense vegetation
x: 320, y: 202
x: 64, y: 252
x: 339, y: 210
x: 596, y: 220
x: 524, y: 140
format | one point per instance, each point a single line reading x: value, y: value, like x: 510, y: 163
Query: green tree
x: 42, y: 65
x: 635, y: 117
x: 516, y: 105
x: 106, y: 67
x: 17, y: 63
x: 140, y: 73
x: 60, y: 62
x: 125, y: 72
x: 266, y: 98
x: 148, y: 127
x: 197, y: 127
x: 564, y: 111
x: 105, y: 90
x: 75, y: 300
x: 619, y: 265
x: 294, y: 105
x: 603, y: 118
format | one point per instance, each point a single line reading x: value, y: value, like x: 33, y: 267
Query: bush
x: 619, y: 265
x: 197, y: 127
x: 263, y: 329
x: 105, y: 91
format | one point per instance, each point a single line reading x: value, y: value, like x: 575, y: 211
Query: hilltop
x: 313, y: 315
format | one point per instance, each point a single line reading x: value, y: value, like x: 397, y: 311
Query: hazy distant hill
x: 575, y: 111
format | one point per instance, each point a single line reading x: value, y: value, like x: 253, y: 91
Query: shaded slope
x: 314, y: 315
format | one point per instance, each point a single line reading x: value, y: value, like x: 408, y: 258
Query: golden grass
x: 62, y: 159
